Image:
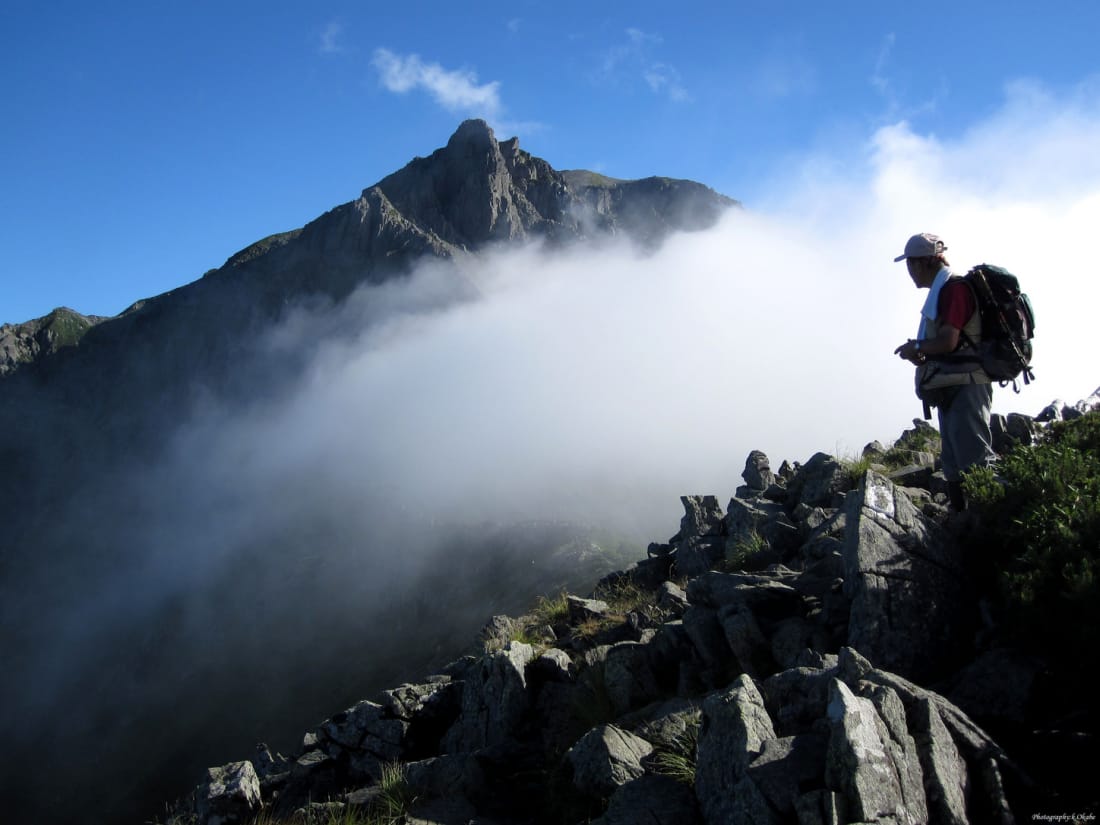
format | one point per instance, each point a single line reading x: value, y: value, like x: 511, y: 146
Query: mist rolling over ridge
x: 346, y: 478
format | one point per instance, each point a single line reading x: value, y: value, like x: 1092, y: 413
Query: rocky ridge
x: 813, y: 653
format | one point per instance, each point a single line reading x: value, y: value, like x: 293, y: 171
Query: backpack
x: 1008, y: 324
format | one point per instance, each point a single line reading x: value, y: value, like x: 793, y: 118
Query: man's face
x: 918, y: 271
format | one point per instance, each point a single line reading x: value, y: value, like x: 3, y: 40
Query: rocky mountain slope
x: 131, y: 586
x: 79, y: 391
x: 819, y: 651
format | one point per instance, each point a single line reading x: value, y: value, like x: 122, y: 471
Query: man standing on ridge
x: 949, y: 377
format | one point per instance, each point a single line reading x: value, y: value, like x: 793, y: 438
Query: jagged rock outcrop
x: 788, y: 685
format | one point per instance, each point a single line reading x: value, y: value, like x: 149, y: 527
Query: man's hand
x: 909, y: 352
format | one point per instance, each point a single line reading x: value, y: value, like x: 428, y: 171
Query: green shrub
x: 1040, y: 513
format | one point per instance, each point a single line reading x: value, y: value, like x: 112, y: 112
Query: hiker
x: 948, y: 375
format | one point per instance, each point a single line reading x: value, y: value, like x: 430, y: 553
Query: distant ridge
x: 472, y: 192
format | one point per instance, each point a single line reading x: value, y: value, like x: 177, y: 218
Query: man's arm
x: 956, y: 306
x: 946, y: 341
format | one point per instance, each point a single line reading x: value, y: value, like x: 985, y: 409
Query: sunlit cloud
x: 455, y: 90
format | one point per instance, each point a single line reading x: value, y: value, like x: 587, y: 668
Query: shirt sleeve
x: 956, y: 304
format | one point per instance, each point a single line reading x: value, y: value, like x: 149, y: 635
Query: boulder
x: 494, y: 700
x: 629, y: 677
x: 583, y: 610
x: 785, y: 766
x: 859, y: 765
x: 367, y: 726
x: 758, y: 473
x: 452, y: 775
x: 749, y: 522
x: 672, y: 599
x: 820, y: 482
x: 904, y: 581
x: 698, y: 554
x: 733, y: 732
x: 744, y: 637
x: 230, y: 794
x: 700, y: 544
x: 769, y: 596
x: 945, y: 774
x: 702, y: 517
x: 655, y: 800
x: 605, y: 758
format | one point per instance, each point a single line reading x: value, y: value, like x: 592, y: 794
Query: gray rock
x: 819, y: 482
x: 653, y: 800
x: 754, y: 590
x: 494, y: 699
x: 497, y: 632
x: 735, y: 727
x: 702, y: 517
x: 797, y: 698
x: 787, y: 765
x: 945, y: 774
x: 698, y: 554
x: 446, y: 776
x: 749, y: 805
x: 748, y: 522
x: 758, y: 473
x: 705, y: 632
x: 605, y: 758
x: 629, y: 677
x: 672, y: 598
x: 743, y: 635
x: 582, y: 610
x: 667, y: 724
x: 903, y: 580
x: 553, y: 665
x: 973, y: 742
x: 821, y: 807
x: 791, y: 638
x: 1052, y: 411
x: 902, y: 750
x: 858, y: 764
x: 230, y: 794
x: 268, y: 765
x: 873, y: 450
x: 912, y: 475
x: 367, y: 726
x: 407, y: 701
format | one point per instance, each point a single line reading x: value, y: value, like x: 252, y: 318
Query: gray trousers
x: 964, y: 430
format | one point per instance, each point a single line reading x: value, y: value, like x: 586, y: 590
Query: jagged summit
x: 474, y: 132
x: 474, y: 191
x: 477, y: 190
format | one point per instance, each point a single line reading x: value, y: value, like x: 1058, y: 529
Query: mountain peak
x: 475, y: 132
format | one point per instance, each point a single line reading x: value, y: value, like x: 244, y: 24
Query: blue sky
x: 145, y: 143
